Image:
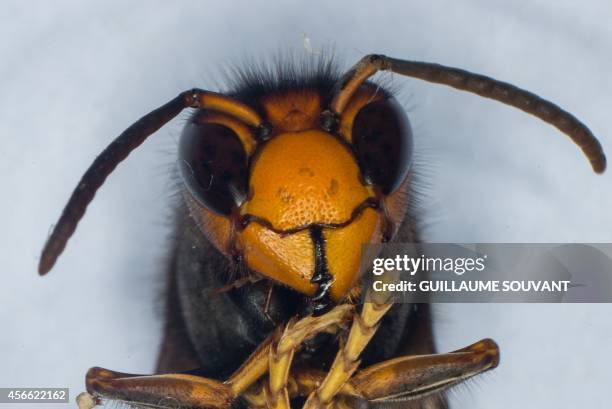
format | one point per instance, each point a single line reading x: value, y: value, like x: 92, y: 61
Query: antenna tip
x: 46, y: 263
x: 599, y: 165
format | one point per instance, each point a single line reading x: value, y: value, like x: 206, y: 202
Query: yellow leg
x: 347, y: 360
x: 170, y: 389
x: 409, y: 377
x: 403, y: 378
x: 281, y: 353
x: 293, y: 337
x: 198, y: 392
x: 279, y: 360
x: 413, y: 377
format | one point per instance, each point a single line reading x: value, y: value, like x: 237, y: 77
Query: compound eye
x: 213, y: 164
x: 382, y: 137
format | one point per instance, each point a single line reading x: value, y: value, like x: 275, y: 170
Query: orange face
x: 306, y: 209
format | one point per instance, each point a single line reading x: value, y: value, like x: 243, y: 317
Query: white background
x: 74, y: 74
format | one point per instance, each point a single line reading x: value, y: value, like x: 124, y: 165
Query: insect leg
x: 199, y: 392
x: 413, y: 377
x: 280, y: 358
x: 159, y: 391
x: 404, y: 378
x: 300, y: 383
x: 293, y: 337
x: 347, y: 360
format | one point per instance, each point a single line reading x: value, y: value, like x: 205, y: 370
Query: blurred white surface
x: 74, y: 74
